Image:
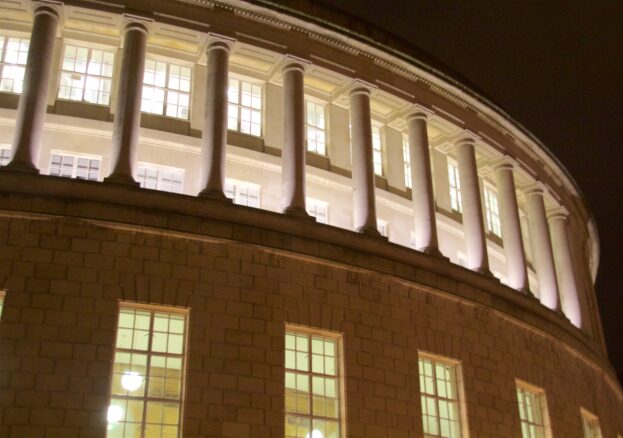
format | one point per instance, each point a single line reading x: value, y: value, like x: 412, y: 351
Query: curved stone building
x: 222, y: 218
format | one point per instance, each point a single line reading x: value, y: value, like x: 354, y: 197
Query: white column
x: 128, y: 108
x: 473, y: 221
x: 567, y: 286
x: 511, y: 227
x: 33, y: 101
x: 422, y: 184
x: 542, y: 257
x: 214, y: 135
x: 364, y: 204
x: 293, y: 152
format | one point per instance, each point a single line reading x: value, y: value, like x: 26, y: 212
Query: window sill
x: 84, y: 110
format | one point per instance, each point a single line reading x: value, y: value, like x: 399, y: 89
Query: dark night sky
x: 557, y: 68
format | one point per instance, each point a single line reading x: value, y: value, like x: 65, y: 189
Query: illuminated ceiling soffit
x: 14, y: 14
x: 253, y: 61
x: 91, y: 21
x: 175, y: 41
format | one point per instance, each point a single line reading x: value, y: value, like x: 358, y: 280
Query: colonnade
x: 553, y: 264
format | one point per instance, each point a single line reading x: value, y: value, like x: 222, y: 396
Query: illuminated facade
x: 228, y: 219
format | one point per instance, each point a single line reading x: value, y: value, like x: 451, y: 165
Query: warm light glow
x: 315, y: 434
x: 131, y: 380
x: 115, y: 413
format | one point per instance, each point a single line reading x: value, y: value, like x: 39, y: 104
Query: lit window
x: 243, y: 193
x: 406, y: 156
x: 532, y: 411
x: 148, y: 373
x: 377, y: 150
x: 167, y: 179
x: 72, y: 166
x: 86, y: 75
x: 315, y: 128
x: 5, y: 156
x: 383, y: 227
x: 493, y: 212
x: 590, y: 424
x: 317, y: 209
x: 439, y: 396
x: 455, y: 187
x: 312, y: 384
x: 166, y: 89
x: 13, y: 56
x: 1, y: 302
x: 244, y: 113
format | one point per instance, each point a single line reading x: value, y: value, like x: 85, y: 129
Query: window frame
x: 316, y: 102
x: 459, y: 389
x: 239, y: 107
x: 76, y: 156
x: 3, y: 64
x: 85, y: 44
x: 592, y: 421
x: 539, y: 393
x: 406, y: 158
x: 340, y: 366
x: 313, y: 202
x: 154, y: 57
x: 160, y: 168
x: 378, y: 151
x: 454, y: 185
x: 240, y: 183
x: 492, y: 216
x: 149, y: 352
x: 5, y: 156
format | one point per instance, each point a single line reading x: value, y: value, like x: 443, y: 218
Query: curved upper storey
x: 279, y: 112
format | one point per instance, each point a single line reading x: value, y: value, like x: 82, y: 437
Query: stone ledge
x: 197, y: 217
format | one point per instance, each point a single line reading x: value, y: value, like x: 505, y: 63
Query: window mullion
x: 147, y: 372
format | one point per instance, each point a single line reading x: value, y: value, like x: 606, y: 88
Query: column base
x: 484, y: 271
x: 18, y: 166
x: 123, y: 180
x: 214, y: 195
x: 298, y: 212
x: 370, y: 231
x: 433, y: 251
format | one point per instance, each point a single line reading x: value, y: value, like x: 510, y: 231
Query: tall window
x: 439, y: 396
x: 455, y: 187
x: 317, y: 209
x: 167, y: 179
x: 315, y: 125
x: 86, y: 75
x: 493, y: 212
x: 377, y: 150
x: 5, y: 156
x: 532, y: 411
x: 590, y: 425
x: 166, y: 89
x: 73, y: 166
x: 244, y: 113
x: 1, y: 302
x: 312, y: 384
x: 406, y: 156
x: 148, y: 373
x: 13, y: 56
x: 243, y: 193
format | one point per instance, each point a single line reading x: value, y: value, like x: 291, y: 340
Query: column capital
x: 357, y: 86
x: 418, y: 112
x: 52, y: 8
x: 291, y: 62
x: 558, y: 213
x: 505, y: 163
x: 467, y: 137
x: 216, y: 41
x: 538, y: 188
x: 134, y: 21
